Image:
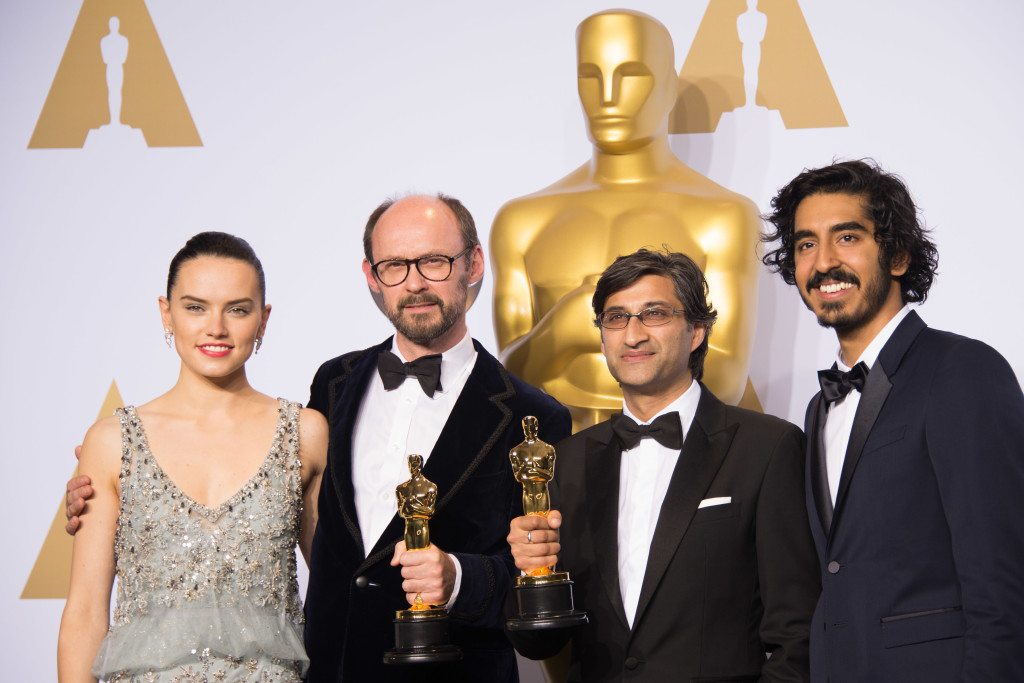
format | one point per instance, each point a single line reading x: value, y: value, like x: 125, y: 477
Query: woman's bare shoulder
x: 313, y: 436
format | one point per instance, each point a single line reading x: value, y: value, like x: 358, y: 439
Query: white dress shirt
x: 644, y: 475
x: 390, y: 426
x: 839, y: 420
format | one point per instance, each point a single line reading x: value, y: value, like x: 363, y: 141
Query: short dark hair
x: 887, y: 202
x: 687, y: 278
x: 465, y: 219
x: 220, y: 244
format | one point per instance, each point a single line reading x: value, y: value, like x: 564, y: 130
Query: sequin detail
x: 206, y: 594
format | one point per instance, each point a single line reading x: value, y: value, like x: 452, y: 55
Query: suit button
x: 833, y: 567
x: 631, y: 663
x: 362, y: 582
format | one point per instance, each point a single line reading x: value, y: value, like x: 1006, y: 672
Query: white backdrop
x: 311, y: 113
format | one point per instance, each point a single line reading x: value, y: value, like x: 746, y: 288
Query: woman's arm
x: 313, y: 436
x: 86, y: 613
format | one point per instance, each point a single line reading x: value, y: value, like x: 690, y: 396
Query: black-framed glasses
x: 656, y: 316
x: 433, y: 267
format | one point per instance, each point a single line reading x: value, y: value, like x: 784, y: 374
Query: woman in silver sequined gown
x: 192, y: 512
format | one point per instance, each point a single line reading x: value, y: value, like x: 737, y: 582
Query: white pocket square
x: 709, y: 502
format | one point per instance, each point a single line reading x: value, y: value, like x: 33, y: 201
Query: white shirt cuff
x: 458, y: 582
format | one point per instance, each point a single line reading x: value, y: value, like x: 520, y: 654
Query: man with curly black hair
x: 915, y: 448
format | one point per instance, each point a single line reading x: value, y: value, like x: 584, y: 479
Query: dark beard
x: 876, y: 292
x: 418, y: 330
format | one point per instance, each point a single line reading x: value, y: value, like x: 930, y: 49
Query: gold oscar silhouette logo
x: 51, y: 574
x: 751, y: 54
x: 114, y: 82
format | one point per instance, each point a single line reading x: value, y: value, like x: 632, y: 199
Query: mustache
x: 835, y: 274
x: 417, y: 299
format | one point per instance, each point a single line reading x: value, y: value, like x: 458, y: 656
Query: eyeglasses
x: 649, y: 317
x: 433, y: 267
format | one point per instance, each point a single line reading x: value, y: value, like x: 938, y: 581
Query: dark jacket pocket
x: 713, y: 512
x: 876, y: 441
x: 921, y: 627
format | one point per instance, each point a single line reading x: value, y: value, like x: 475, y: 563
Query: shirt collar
x: 685, y: 405
x: 870, y: 354
x: 454, y: 362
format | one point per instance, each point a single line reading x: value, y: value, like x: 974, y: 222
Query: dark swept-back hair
x: 687, y: 278
x: 465, y: 219
x: 887, y: 202
x: 220, y: 244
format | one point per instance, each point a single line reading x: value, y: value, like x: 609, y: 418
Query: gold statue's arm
x: 565, y: 332
x: 513, y: 302
x: 731, y: 271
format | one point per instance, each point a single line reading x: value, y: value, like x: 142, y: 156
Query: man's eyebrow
x: 643, y: 307
x: 847, y: 226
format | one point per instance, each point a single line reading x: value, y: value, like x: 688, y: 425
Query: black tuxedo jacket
x: 921, y: 568
x: 723, y: 585
x: 352, y: 597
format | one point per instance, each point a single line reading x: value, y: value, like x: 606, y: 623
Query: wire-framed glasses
x: 655, y: 316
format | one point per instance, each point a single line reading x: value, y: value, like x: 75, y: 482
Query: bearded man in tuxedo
x: 915, y: 455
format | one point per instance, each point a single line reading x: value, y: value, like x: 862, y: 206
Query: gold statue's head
x: 530, y: 427
x: 626, y: 78
x: 415, y: 464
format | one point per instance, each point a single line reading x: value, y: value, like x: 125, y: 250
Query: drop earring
x: 259, y: 343
x: 169, y: 338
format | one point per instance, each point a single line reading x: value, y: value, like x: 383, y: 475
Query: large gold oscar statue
x: 549, y: 248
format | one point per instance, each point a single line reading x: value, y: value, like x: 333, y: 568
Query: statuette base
x: 422, y: 637
x: 545, y: 602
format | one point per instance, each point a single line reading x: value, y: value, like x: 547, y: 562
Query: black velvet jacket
x: 352, y: 598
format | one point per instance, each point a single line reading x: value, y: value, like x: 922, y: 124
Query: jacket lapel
x: 704, y: 449
x: 603, y: 454
x: 876, y: 390
x: 817, y: 469
x: 345, y: 394
x: 476, y: 423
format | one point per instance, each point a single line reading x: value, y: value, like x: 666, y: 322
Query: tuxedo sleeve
x: 975, y: 438
x: 487, y: 579
x: 787, y: 565
x: 318, y: 399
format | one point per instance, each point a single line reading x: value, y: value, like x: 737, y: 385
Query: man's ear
x: 476, y: 266
x: 900, y: 264
x: 699, y: 333
x: 371, y: 279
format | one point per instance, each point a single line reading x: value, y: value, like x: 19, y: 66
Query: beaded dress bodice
x: 196, y: 583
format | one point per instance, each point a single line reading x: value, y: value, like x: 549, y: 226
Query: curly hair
x: 898, y: 230
x: 690, y: 286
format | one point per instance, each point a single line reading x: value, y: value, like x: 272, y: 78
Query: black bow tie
x: 666, y: 430
x: 835, y: 384
x: 426, y: 369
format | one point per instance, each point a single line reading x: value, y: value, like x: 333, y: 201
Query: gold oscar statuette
x: 549, y: 248
x: 421, y: 632
x: 543, y: 595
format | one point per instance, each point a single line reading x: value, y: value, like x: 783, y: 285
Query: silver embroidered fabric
x: 206, y: 594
